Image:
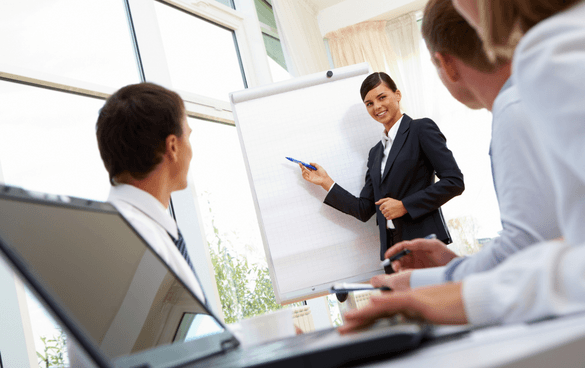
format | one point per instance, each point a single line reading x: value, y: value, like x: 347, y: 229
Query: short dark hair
x: 374, y: 80
x: 133, y: 125
x: 446, y: 31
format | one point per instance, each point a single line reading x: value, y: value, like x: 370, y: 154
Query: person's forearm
x: 432, y: 197
x: 542, y: 281
x: 441, y: 304
x: 361, y: 208
x: 510, y: 241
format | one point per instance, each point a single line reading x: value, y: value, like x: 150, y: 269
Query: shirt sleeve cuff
x: 427, y: 276
x: 331, y: 187
x: 477, y: 299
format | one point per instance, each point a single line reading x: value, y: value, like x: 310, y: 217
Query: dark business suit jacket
x: 418, y: 152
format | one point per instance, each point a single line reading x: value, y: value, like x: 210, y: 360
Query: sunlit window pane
x: 49, y: 337
x: 229, y: 3
x: 222, y: 186
x: 87, y: 41
x: 201, y: 56
x: 230, y: 222
x: 48, y: 142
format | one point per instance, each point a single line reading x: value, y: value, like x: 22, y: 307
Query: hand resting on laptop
x: 440, y: 304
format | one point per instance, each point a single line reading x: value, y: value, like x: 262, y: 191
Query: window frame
x: 152, y: 66
x: 154, y: 62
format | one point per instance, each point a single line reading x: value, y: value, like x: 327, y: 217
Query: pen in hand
x: 388, y: 261
x: 302, y: 163
x: 395, y: 257
x: 347, y: 287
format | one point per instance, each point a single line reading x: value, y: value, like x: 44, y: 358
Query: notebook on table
x: 126, y: 308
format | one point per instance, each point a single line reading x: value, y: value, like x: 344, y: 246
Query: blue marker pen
x: 302, y: 163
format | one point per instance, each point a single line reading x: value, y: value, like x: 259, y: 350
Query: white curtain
x: 404, y: 36
x: 300, y: 37
x: 366, y: 41
x: 388, y: 46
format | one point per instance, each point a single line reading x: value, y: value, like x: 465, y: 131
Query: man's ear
x: 172, y: 148
x: 446, y: 65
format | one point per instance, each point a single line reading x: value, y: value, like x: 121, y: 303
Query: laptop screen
x: 107, y: 280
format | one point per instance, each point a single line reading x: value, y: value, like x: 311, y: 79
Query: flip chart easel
x: 317, y: 118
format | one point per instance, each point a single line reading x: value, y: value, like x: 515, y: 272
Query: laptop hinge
x: 229, y: 344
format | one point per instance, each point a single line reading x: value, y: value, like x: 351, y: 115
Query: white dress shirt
x: 153, y: 222
x: 387, y: 141
x: 524, y: 194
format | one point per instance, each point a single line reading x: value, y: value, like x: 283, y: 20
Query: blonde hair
x: 503, y: 22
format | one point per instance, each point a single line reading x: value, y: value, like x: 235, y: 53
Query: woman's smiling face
x: 383, y: 105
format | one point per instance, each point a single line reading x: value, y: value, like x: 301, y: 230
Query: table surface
x: 555, y: 343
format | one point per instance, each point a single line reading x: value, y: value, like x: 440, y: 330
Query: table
x: 554, y: 343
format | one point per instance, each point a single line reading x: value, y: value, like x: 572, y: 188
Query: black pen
x: 395, y: 257
x: 388, y: 261
x: 347, y: 287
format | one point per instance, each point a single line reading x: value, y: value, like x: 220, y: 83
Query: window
x: 205, y: 70
x: 276, y: 59
x: 68, y: 41
x: 62, y: 58
x: 225, y: 197
x: 201, y: 56
x: 47, y: 141
x: 229, y: 3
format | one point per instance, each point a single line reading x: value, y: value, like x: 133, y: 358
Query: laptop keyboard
x: 272, y: 349
x: 308, y: 337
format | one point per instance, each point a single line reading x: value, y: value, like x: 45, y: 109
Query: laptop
x: 125, y: 307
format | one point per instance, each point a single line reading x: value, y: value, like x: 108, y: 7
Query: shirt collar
x: 392, y: 132
x: 507, y: 85
x: 146, y: 203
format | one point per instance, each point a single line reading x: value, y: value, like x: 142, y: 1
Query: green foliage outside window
x: 54, y: 351
x: 245, y: 288
x: 333, y: 305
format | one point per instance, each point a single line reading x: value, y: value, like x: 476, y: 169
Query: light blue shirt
x: 524, y: 194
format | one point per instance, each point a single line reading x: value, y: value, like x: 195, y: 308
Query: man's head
x: 138, y: 128
x: 446, y: 31
x: 456, y: 51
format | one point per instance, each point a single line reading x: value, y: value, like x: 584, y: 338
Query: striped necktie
x: 182, y: 247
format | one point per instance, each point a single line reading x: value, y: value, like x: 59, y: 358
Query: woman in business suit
x: 399, y: 186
